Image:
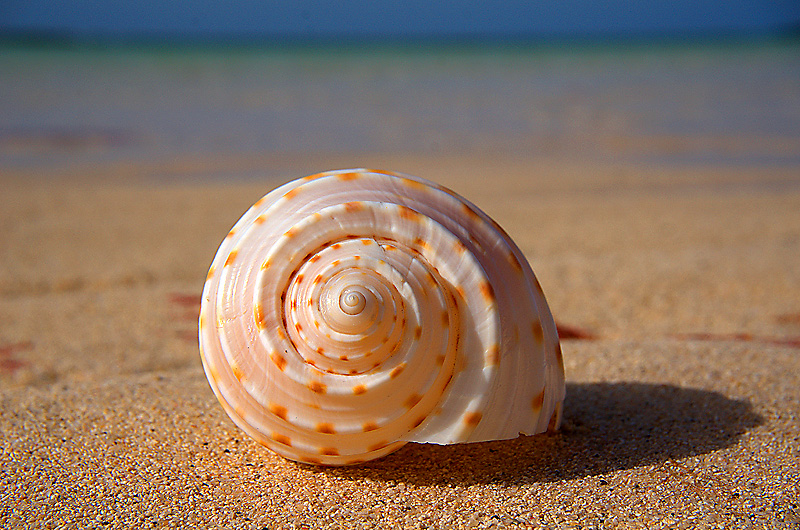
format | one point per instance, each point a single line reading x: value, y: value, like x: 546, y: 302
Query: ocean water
x: 735, y: 103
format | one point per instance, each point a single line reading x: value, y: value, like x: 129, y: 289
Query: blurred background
x: 208, y: 89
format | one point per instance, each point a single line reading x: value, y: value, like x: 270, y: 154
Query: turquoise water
x: 706, y: 103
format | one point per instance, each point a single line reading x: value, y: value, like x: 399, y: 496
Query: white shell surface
x: 352, y: 311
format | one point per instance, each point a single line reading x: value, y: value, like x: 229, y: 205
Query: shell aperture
x: 352, y: 311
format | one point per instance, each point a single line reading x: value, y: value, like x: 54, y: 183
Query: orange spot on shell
x: 383, y: 172
x: 408, y: 213
x: 413, y: 184
x: 512, y: 258
x: 210, y: 273
x: 315, y: 176
x: 431, y: 280
x: 336, y: 246
x: 353, y: 207
x: 397, y: 370
x: 487, y: 292
x: 347, y: 176
x: 237, y: 372
x: 291, y: 193
x: 278, y: 410
x: 417, y: 422
x: 359, y: 389
x: 281, y: 439
x: 412, y: 400
x: 460, y: 248
x: 325, y: 428
x: 493, y: 355
x: 470, y: 211
x: 317, y: 279
x: 231, y: 257
x: 472, y: 418
x: 258, y: 313
x: 291, y: 233
x: 300, y: 278
x: 366, y: 242
x: 445, y: 318
x: 538, y: 334
x: 417, y: 333
x: 260, y: 219
x: 265, y: 265
x: 369, y: 426
x: 278, y: 359
x: 329, y: 451
x: 538, y: 399
x: 317, y: 387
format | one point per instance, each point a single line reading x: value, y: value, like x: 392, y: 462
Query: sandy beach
x: 679, y: 286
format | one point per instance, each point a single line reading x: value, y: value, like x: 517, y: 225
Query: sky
x: 335, y: 18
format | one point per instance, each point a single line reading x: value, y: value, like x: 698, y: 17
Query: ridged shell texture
x: 349, y: 312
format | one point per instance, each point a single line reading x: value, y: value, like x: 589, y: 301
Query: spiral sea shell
x: 352, y: 311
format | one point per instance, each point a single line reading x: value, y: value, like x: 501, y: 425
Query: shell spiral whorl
x: 350, y: 312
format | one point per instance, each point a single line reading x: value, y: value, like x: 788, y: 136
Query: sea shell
x: 349, y: 312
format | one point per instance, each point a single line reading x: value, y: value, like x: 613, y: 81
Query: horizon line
x: 68, y: 38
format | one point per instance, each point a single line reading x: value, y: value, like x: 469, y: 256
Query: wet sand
x: 682, y: 410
